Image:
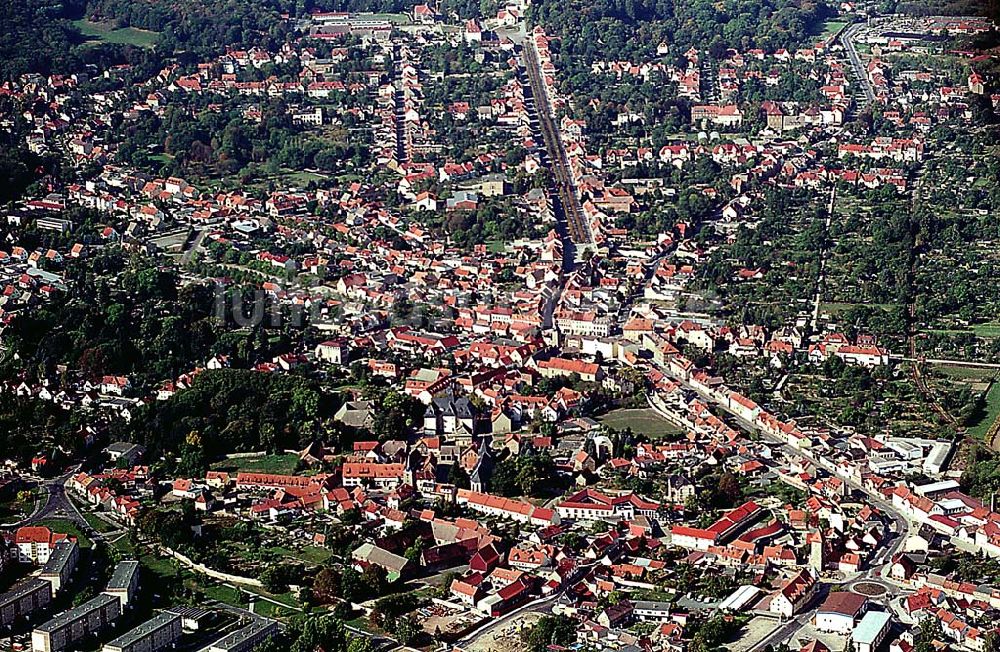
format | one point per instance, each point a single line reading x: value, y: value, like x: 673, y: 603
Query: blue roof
x: 870, y: 627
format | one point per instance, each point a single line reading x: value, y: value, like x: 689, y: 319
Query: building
x: 368, y: 554
x: 871, y: 631
x: 124, y: 582
x: 840, y: 612
x: 64, y: 630
x: 23, y: 600
x: 248, y: 637
x: 61, y: 564
x: 333, y: 351
x: 793, y: 595
x: 157, y: 633
x: 35, y: 543
x: 127, y: 451
x: 654, y: 611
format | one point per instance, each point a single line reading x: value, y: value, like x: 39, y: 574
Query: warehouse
x: 64, y: 630
x: 153, y: 635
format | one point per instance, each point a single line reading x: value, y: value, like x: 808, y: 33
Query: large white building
x: 840, y: 612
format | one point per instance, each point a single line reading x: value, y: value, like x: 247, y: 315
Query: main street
x: 847, y: 39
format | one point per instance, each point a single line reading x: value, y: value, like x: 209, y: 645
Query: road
x: 195, y: 246
x: 541, y: 605
x: 56, y: 505
x: 847, y: 39
x: 822, y: 261
x: 576, y: 225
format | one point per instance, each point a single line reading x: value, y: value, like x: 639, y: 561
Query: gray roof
x: 121, y: 578
x: 27, y: 587
x: 253, y: 628
x: 60, y: 556
x: 74, y: 614
x: 145, y: 629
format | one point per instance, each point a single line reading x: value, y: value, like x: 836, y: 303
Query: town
x: 480, y: 328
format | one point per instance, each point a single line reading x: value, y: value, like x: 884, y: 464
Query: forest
x: 632, y: 29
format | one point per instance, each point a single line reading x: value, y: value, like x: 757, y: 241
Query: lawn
x: 643, y: 421
x: 964, y: 373
x: 987, y: 330
x: 63, y: 526
x: 309, y: 554
x: 831, y: 27
x: 280, y: 464
x: 97, y: 523
x: 108, y: 33
x: 990, y: 414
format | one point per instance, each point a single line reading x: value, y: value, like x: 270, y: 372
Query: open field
x: 642, y: 421
x: 66, y: 527
x: 991, y: 413
x: 280, y: 464
x: 831, y: 27
x: 308, y: 554
x: 108, y: 33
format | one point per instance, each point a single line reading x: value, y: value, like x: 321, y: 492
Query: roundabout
x: 870, y: 588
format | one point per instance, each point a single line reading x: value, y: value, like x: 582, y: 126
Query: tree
x: 549, y: 630
x: 326, y: 585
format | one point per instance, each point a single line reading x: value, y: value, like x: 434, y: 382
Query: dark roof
x: 846, y: 603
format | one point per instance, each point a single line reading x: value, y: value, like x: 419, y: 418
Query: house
x: 368, y: 554
x: 35, y: 544
x: 794, y: 594
x: 129, y: 453
x: 333, y: 351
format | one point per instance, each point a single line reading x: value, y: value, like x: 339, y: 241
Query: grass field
x: 108, y: 33
x: 987, y: 330
x: 832, y: 27
x: 964, y: 373
x: 642, y: 421
x: 991, y: 414
x: 280, y: 464
x: 99, y: 524
x: 63, y: 526
x: 309, y: 554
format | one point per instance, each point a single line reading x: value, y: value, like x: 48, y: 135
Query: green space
x: 279, y: 464
x: 97, y: 522
x: 396, y: 19
x: 831, y: 27
x: 65, y: 526
x: 308, y: 554
x: 109, y: 33
x: 990, y: 414
x: 987, y: 330
x: 495, y: 246
x: 644, y: 421
x: 964, y: 373
x: 837, y: 308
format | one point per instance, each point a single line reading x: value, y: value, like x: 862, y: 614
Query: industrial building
x: 61, y: 564
x: 67, y: 628
x: 155, y: 634
x: 23, y: 600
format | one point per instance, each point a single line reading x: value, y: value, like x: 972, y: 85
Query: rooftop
x: 143, y: 630
x: 871, y: 627
x: 66, y: 618
x: 122, y: 575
